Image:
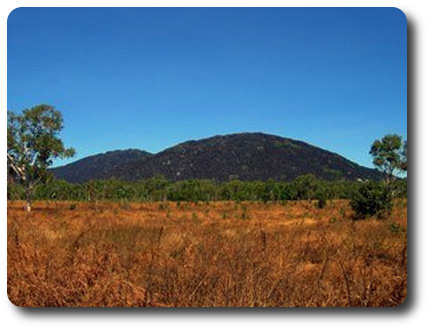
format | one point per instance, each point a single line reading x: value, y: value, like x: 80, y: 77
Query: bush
x: 395, y: 227
x: 322, y: 202
x: 321, y: 196
x: 372, y: 198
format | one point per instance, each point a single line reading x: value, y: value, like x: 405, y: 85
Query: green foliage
x: 33, y: 144
x: 399, y: 188
x: 161, y: 190
x: 321, y: 195
x: 304, y: 187
x: 372, y: 198
x: 15, y: 191
x: 390, y: 155
x: 395, y: 227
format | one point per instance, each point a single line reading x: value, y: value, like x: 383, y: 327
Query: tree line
x: 305, y: 187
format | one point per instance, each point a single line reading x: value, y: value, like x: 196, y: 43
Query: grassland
x: 206, y: 254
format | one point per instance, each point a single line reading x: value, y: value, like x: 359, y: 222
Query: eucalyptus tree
x: 390, y: 155
x: 33, y: 144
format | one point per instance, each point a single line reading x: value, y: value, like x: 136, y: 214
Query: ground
x: 205, y: 254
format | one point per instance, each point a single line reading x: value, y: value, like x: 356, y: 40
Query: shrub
x: 321, y: 196
x: 322, y: 202
x: 395, y: 227
x: 372, y: 198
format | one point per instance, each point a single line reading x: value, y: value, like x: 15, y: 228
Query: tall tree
x: 33, y: 144
x: 390, y: 155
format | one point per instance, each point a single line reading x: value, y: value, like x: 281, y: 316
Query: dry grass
x: 210, y: 254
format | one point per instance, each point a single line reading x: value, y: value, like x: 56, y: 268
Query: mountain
x: 100, y: 166
x: 244, y: 156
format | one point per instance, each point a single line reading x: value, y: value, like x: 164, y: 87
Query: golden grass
x: 210, y: 254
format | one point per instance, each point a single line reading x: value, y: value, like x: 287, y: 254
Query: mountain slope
x: 100, y: 166
x: 244, y: 156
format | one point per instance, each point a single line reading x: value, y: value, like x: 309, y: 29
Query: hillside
x: 244, y: 156
x: 100, y: 166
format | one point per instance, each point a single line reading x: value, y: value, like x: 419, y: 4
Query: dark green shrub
x: 395, y: 227
x: 400, y: 188
x: 322, y: 202
x: 321, y: 196
x: 15, y: 192
x: 372, y: 198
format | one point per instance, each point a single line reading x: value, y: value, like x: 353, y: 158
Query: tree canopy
x: 390, y: 155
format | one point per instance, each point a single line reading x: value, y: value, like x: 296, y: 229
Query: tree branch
x: 19, y: 171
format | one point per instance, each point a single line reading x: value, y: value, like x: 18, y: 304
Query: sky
x: 150, y: 78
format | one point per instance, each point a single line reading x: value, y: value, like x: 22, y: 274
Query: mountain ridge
x: 244, y: 156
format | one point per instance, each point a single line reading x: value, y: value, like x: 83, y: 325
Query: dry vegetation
x: 209, y: 254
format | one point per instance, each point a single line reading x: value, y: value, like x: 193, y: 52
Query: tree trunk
x: 28, y: 199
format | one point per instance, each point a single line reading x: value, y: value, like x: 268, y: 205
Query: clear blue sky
x: 150, y: 78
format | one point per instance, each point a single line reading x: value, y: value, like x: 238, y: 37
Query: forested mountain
x: 244, y: 156
x: 100, y: 166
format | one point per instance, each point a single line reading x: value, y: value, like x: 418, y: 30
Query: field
x: 204, y: 254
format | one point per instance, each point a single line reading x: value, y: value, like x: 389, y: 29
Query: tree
x: 33, y: 144
x: 305, y: 186
x: 390, y: 155
x: 404, y: 165
x: 372, y: 198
